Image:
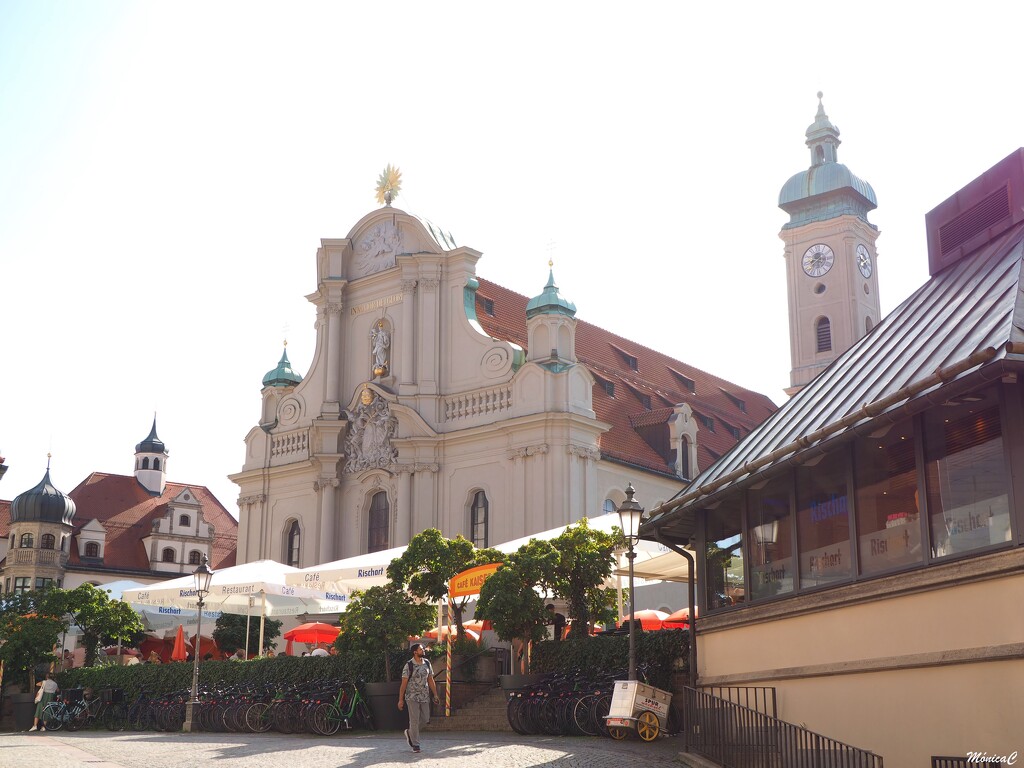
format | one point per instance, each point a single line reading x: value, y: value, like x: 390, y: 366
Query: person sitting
x: 154, y: 658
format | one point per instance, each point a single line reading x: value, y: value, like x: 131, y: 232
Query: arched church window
x: 608, y: 506
x: 294, y: 544
x: 145, y: 463
x: 92, y: 549
x: 823, y: 334
x: 184, y: 521
x: 27, y: 540
x: 168, y: 555
x: 156, y: 463
x: 195, y: 557
x: 868, y: 325
x: 684, y: 458
x: 377, y: 533
x: 478, y: 520
x: 47, y: 541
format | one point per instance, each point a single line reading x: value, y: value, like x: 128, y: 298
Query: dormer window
x: 488, y: 305
x: 688, y: 384
x: 92, y: 549
x: 184, y: 521
x: 645, y: 401
x: 706, y: 421
x: 632, y: 362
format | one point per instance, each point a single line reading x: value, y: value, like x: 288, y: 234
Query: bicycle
x: 348, y: 707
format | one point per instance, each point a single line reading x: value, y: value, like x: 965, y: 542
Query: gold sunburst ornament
x: 388, y: 185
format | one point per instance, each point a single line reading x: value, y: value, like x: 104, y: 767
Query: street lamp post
x: 630, y: 515
x: 202, y: 576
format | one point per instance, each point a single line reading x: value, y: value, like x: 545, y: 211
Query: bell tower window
x: 823, y: 334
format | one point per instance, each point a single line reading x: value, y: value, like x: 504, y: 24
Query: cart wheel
x: 647, y: 726
x: 618, y: 733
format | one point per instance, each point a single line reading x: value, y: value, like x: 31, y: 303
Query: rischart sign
x: 469, y: 582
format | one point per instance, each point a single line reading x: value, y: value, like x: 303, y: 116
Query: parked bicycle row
x: 567, y: 706
x: 322, y: 707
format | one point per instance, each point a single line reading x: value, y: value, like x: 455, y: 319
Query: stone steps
x: 484, y: 713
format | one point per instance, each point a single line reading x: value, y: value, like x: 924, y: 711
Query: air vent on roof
x: 982, y: 210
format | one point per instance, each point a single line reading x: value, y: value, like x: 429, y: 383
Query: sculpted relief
x: 368, y: 443
x: 378, y: 249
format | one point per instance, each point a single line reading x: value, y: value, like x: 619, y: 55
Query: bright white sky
x: 167, y: 171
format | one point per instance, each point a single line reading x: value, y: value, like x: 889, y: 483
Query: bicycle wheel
x: 599, y: 711
x: 258, y: 718
x: 77, y: 719
x: 326, y: 720
x: 582, y: 718
x: 138, y: 717
x: 52, y: 716
x: 116, y: 717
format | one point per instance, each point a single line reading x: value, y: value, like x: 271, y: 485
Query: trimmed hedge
x: 157, y: 679
x: 663, y: 652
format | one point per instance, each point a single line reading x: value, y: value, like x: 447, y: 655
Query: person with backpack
x: 417, y: 690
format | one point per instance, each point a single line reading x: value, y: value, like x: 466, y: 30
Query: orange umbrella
x: 648, y: 618
x: 678, y: 620
x: 443, y: 634
x: 179, y: 653
x: 314, y: 632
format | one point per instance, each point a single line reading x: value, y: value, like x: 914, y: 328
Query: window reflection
x: 724, y: 557
x: 823, y: 521
x: 888, y: 509
x: 770, y: 537
x: 966, y: 475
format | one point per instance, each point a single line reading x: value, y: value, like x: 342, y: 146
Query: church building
x: 436, y: 398
x: 140, y: 527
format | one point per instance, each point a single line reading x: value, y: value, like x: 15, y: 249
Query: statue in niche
x: 368, y: 443
x: 380, y: 343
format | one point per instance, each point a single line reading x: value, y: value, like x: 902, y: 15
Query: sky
x: 167, y: 171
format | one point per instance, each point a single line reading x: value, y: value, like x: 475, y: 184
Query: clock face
x: 863, y: 261
x: 818, y: 260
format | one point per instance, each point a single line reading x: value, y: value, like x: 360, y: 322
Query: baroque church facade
x: 436, y: 398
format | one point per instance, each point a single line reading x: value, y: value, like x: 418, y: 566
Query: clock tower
x: 831, y: 273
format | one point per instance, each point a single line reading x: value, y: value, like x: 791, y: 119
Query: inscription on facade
x: 384, y: 301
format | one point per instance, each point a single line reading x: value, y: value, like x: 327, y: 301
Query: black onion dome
x: 152, y: 444
x: 44, y: 504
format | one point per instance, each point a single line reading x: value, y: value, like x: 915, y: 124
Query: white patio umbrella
x: 341, y: 577
x: 231, y: 588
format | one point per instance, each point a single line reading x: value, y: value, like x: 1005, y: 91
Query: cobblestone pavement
x: 97, y: 749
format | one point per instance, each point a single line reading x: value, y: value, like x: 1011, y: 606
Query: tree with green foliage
x: 511, y: 599
x: 229, y: 632
x: 29, y: 629
x: 431, y: 561
x: 98, y: 617
x: 585, y: 560
x: 381, y: 620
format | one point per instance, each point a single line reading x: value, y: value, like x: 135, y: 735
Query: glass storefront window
x: 724, y: 557
x: 888, y: 508
x: 966, y: 475
x: 770, y: 537
x: 823, y: 521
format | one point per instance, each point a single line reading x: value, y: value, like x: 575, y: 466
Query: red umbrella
x: 679, y: 620
x: 649, y: 619
x: 179, y: 653
x: 314, y: 632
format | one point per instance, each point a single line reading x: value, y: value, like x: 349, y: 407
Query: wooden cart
x: 637, y: 707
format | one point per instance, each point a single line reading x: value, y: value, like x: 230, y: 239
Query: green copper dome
x: 828, y: 188
x: 549, y: 302
x: 43, y: 504
x: 283, y: 375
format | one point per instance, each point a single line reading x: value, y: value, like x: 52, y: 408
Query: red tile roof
x: 657, y: 376
x: 127, y: 512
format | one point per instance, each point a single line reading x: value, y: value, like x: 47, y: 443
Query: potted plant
x: 379, y: 622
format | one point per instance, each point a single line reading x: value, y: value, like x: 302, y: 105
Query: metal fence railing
x: 759, y: 698
x: 963, y: 762
x: 738, y: 736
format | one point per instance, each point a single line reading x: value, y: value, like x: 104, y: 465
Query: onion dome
x: 152, y: 444
x: 828, y: 188
x: 549, y: 302
x: 283, y: 375
x: 43, y: 504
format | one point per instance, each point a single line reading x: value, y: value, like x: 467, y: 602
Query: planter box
x: 383, y: 701
x: 24, y: 710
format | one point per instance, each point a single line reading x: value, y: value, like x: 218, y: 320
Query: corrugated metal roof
x: 964, y: 317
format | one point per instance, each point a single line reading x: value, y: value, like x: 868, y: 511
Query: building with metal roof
x: 862, y: 550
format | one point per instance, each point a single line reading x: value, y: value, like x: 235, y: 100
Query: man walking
x: 418, y: 688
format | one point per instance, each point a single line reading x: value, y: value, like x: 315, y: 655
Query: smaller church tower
x: 41, y: 527
x: 830, y: 254
x: 151, y: 462
x: 551, y: 325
